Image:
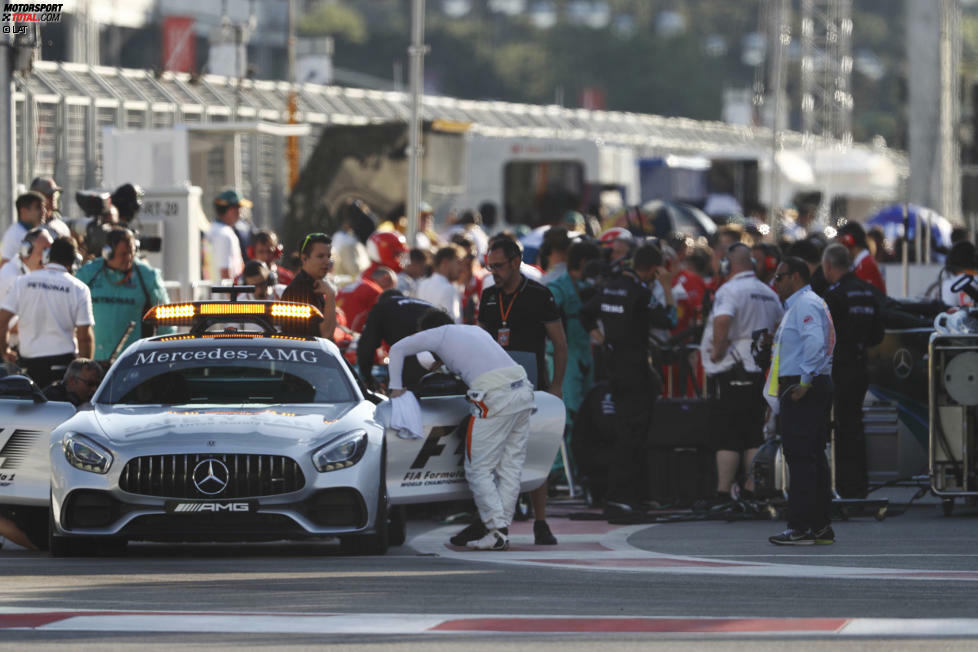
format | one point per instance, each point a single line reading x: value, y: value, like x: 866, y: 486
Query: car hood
x: 125, y: 424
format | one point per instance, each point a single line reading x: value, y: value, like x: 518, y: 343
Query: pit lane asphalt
x: 314, y: 578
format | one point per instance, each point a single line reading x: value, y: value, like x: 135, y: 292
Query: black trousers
x: 851, y: 382
x: 804, y: 435
x: 635, y: 388
x: 45, y: 370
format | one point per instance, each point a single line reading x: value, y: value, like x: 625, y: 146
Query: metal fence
x: 61, y: 109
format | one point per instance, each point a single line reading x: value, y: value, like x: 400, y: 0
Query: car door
x: 431, y: 469
x: 26, y: 422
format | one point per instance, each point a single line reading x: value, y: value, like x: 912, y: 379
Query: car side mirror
x: 20, y: 387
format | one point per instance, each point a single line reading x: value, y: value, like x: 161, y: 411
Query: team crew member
x: 566, y: 290
x: 521, y: 315
x: 743, y: 305
x: 960, y: 261
x: 357, y: 298
x: 393, y: 318
x: 856, y: 314
x: 801, y: 379
x: 256, y: 273
x: 123, y: 289
x: 55, y: 310
x: 29, y: 258
x: 225, y: 254
x: 30, y: 214
x: 80, y: 381
x: 502, y: 400
x: 439, y: 288
x: 51, y: 191
x: 266, y: 248
x: 852, y: 236
x: 623, y: 307
x: 310, y: 286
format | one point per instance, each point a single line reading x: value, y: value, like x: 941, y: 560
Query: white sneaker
x: 494, y: 540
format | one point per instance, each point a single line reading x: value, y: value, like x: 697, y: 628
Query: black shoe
x: 793, y: 538
x: 542, y: 536
x: 473, y: 532
x: 717, y: 502
x: 825, y: 536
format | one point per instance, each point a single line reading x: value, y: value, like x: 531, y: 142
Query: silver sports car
x: 234, y: 436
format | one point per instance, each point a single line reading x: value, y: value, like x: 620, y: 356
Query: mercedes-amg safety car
x: 228, y: 434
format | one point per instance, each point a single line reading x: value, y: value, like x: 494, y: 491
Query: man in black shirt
x: 80, y: 381
x: 857, y: 317
x: 309, y: 285
x: 521, y: 314
x: 392, y: 318
x: 622, y: 307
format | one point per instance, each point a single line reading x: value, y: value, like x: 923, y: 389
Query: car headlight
x: 83, y: 453
x: 343, y: 452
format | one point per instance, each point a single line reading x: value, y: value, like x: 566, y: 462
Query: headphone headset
x: 114, y: 237
x: 27, y: 244
x: 725, y: 261
x: 847, y: 240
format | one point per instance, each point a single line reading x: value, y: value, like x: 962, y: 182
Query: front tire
x: 61, y: 546
x: 378, y: 542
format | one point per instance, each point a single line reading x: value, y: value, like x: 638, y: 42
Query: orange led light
x: 291, y: 310
x: 232, y: 309
x: 176, y: 311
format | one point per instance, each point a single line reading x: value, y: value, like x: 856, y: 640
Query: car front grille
x: 173, y: 476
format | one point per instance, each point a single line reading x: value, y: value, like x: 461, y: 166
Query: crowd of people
x: 609, y: 321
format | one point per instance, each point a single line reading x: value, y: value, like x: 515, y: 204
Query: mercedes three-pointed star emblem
x: 902, y: 363
x: 211, y: 476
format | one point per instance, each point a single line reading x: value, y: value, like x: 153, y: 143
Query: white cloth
x: 407, y: 285
x: 495, y: 447
x: 441, y: 293
x: 12, y: 237
x: 57, y: 228
x: 406, y: 416
x: 9, y: 273
x: 751, y: 306
x: 469, y: 351
x: 529, y: 271
x: 947, y: 296
x: 225, y: 251
x: 50, y: 303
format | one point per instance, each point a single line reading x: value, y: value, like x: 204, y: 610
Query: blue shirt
x: 805, y: 339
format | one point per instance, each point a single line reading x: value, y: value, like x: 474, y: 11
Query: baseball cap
x: 230, y: 197
x: 45, y: 185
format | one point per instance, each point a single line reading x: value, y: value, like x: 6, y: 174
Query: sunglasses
x: 494, y: 266
x: 305, y: 243
x: 90, y: 383
x: 778, y: 277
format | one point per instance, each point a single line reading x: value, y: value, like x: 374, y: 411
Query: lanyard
x: 505, y: 313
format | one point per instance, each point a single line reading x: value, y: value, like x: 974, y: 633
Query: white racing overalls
x: 495, y: 442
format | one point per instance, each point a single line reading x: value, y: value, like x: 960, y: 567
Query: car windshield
x: 227, y: 374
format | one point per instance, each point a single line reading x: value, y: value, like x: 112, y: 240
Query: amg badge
x: 186, y: 508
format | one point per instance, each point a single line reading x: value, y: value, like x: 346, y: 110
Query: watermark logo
x: 22, y: 14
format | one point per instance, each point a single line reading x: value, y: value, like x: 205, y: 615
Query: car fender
x: 25, y: 467
x: 431, y: 469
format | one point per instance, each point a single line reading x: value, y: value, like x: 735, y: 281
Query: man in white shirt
x: 743, y: 304
x: 225, y: 255
x: 30, y: 214
x: 29, y: 259
x: 502, y: 400
x: 439, y: 289
x: 55, y: 311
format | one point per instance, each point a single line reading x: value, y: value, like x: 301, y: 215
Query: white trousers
x: 495, y: 450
